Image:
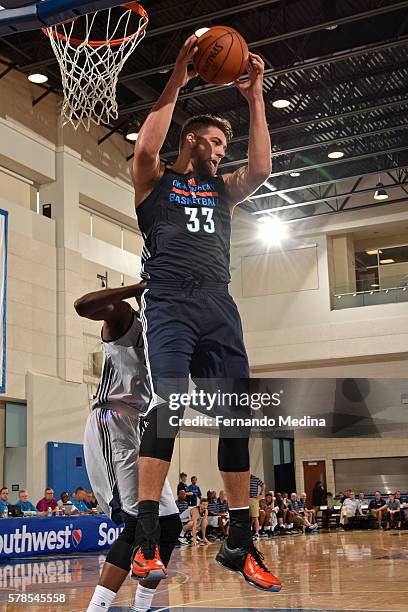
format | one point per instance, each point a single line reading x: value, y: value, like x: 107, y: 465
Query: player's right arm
x: 147, y: 168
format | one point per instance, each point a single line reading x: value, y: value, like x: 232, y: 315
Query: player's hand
x: 252, y: 87
x: 181, y: 74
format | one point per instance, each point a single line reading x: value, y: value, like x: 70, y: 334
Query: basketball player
x: 112, y: 440
x: 191, y: 324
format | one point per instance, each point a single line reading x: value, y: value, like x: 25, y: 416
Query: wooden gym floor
x: 352, y: 571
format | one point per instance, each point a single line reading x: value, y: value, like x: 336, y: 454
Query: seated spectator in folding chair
x: 377, y: 507
x: 280, y: 513
x: 350, y: 508
x: 393, y: 512
x: 297, y: 518
x: 214, y: 519
x: 404, y: 505
x: 305, y: 508
x: 181, y: 501
x: 195, y: 518
x: 222, y: 505
x: 270, y: 521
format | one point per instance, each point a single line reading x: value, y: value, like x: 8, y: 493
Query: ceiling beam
x: 348, y: 210
x: 288, y: 35
x: 323, y: 200
x: 301, y: 124
x: 323, y: 144
x: 179, y: 25
x: 200, y: 19
x: 271, y: 72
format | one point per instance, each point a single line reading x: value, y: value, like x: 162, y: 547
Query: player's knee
x: 233, y: 454
x: 120, y: 553
x: 159, y: 436
x: 128, y: 533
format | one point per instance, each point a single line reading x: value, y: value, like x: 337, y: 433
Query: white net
x: 90, y: 65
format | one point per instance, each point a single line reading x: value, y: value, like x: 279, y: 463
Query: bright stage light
x: 272, y: 230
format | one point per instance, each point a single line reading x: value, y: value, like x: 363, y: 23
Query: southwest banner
x: 3, y: 283
x: 30, y: 537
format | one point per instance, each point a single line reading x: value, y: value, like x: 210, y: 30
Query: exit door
x: 312, y: 472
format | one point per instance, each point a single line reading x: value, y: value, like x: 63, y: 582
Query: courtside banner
x: 3, y: 284
x: 30, y: 537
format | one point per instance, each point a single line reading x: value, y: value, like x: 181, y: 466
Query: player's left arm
x: 244, y: 181
x: 108, y: 305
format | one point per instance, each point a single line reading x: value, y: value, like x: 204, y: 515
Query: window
x: 382, y: 268
x: 110, y: 231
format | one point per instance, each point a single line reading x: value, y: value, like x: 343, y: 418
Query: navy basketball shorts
x: 194, y: 331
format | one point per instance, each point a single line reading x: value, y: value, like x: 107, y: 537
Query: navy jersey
x: 186, y: 225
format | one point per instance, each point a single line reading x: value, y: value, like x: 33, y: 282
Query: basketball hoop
x: 90, y: 68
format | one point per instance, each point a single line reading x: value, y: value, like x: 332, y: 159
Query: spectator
x: 377, y: 507
x: 319, y: 496
x: 296, y: 517
x: 65, y: 501
x: 285, y: 497
x: 394, y: 512
x: 23, y: 503
x: 181, y: 501
x: 78, y: 500
x: 361, y: 497
x: 182, y: 485
x: 269, y: 521
x: 222, y: 506
x: 215, y: 520
x: 197, y: 519
x: 47, y: 501
x: 280, y: 513
x: 4, y: 500
x: 89, y: 503
x: 222, y: 503
x: 256, y: 490
x: 92, y: 502
x: 403, y: 504
x: 305, y: 510
x: 195, y: 491
x: 350, y: 507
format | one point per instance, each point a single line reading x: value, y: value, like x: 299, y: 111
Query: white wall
x: 299, y: 327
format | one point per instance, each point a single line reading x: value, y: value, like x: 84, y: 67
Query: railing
x: 354, y: 299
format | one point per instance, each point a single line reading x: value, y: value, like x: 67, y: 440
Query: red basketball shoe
x: 147, y: 563
x: 248, y: 561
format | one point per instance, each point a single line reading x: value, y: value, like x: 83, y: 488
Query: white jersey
x: 124, y: 381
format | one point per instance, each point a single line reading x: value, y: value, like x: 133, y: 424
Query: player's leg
x: 223, y: 340
x: 102, y: 475
x: 169, y: 340
x: 111, y: 448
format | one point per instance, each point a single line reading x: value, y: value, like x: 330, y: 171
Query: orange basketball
x: 222, y: 55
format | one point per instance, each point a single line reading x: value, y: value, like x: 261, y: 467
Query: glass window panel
x: 132, y: 242
x: 276, y: 452
x: 397, y: 254
x: 287, y: 455
x: 16, y: 425
x: 84, y: 221
x: 106, y: 231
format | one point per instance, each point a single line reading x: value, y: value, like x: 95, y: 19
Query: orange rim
x: 132, y: 6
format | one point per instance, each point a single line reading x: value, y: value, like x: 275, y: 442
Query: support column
x: 63, y: 195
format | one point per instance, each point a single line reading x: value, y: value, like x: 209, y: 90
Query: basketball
x: 222, y: 55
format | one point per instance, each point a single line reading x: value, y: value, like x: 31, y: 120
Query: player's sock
x: 143, y: 599
x: 240, y: 528
x: 102, y: 599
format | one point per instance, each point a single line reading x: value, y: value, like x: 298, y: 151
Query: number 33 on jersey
x: 187, y: 220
